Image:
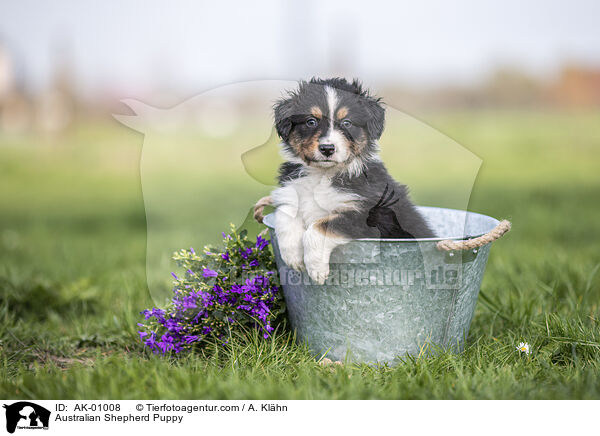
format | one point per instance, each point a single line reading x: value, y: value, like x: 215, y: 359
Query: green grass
x: 73, y: 278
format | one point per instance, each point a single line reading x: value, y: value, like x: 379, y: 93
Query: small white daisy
x: 523, y: 347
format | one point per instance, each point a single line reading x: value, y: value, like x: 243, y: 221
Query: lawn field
x: 73, y: 271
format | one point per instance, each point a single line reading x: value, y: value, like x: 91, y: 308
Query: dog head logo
x: 26, y: 415
x: 206, y: 161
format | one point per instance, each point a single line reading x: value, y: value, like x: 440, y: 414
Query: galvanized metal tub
x: 388, y: 298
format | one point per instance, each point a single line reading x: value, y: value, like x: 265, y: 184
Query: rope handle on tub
x: 445, y: 245
x: 260, y: 206
x: 468, y: 244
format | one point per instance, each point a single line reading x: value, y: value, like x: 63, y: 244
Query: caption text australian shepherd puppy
x: 333, y: 186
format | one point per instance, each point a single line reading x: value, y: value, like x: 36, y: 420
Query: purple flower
x: 151, y: 341
x: 261, y: 243
x: 166, y: 343
x: 207, y: 299
x: 196, y: 318
x: 156, y: 313
x: 172, y: 324
x: 189, y: 302
x: 209, y: 273
x: 201, y: 306
x: 191, y: 338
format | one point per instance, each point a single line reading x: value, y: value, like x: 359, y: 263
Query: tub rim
x: 493, y: 223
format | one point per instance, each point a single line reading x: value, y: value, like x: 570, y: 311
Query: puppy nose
x: 327, y: 149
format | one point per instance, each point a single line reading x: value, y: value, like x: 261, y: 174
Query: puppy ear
x: 283, y: 118
x: 376, y: 113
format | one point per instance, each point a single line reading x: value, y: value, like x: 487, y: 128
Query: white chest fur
x: 312, y: 197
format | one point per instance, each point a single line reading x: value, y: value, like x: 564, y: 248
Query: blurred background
x: 71, y: 61
x: 515, y: 85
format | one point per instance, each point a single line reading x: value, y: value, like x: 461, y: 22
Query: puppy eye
x: 346, y: 123
x: 311, y: 122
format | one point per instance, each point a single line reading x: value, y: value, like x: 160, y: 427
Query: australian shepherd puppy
x: 333, y: 186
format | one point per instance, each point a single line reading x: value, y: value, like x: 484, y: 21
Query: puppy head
x: 329, y: 123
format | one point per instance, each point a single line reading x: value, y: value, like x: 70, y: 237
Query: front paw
x: 293, y: 258
x: 318, y: 271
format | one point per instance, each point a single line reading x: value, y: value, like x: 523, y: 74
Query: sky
x: 195, y: 45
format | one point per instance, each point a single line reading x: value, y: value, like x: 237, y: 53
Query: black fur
x: 289, y: 171
x: 394, y: 217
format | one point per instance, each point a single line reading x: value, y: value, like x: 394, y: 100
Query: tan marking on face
x: 316, y: 112
x: 311, y: 145
x: 304, y: 148
x: 359, y: 144
x: 342, y: 112
x: 296, y: 143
